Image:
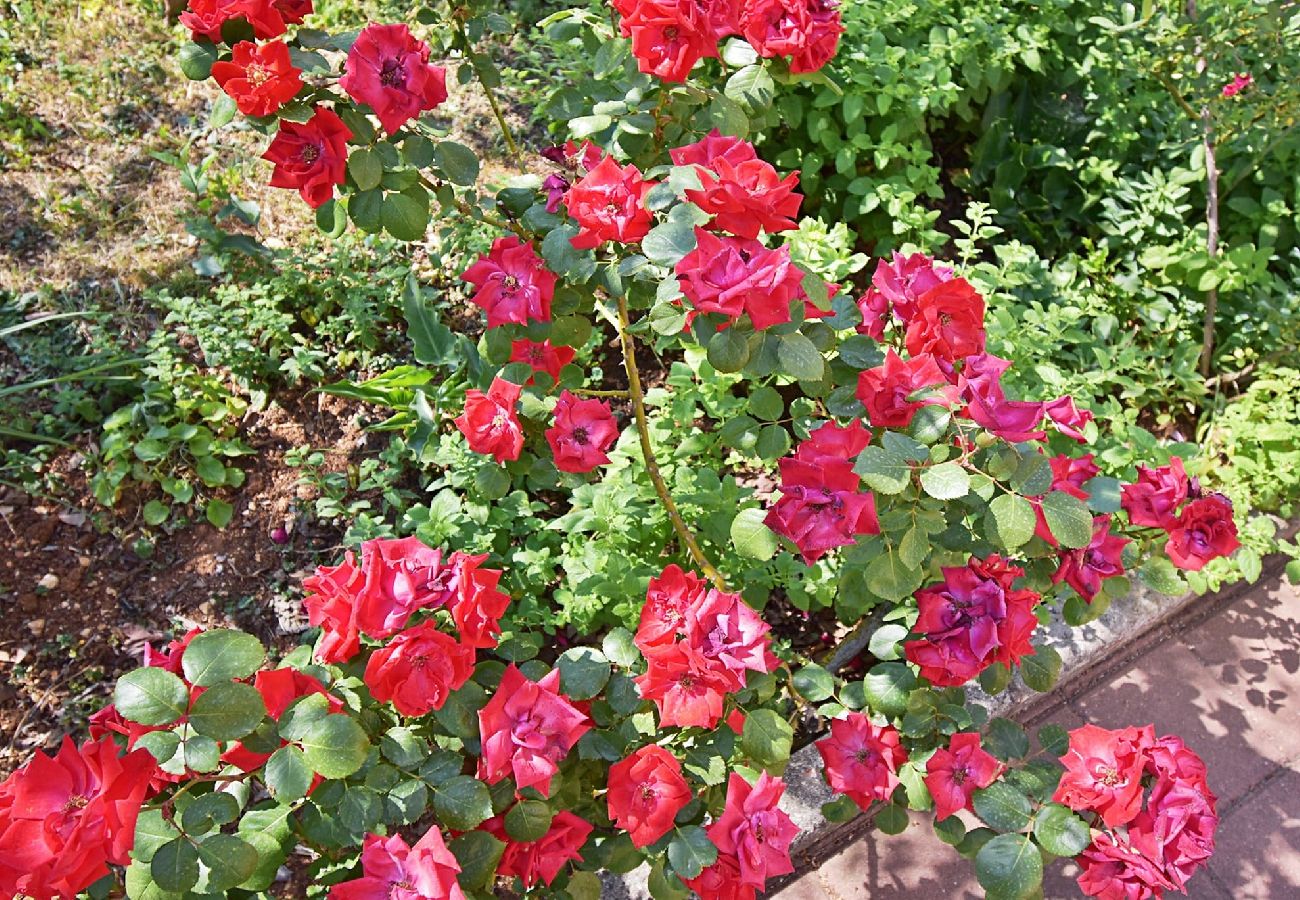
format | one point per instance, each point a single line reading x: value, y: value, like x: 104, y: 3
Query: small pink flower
x: 583, y: 431
x: 1238, y: 84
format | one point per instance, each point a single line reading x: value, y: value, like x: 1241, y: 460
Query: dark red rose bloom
x: 312, y: 157
x: 734, y: 276
x: 293, y: 11
x: 1181, y: 820
x: 980, y: 383
x: 807, y: 32
x: 609, y: 205
x: 543, y: 859
x: 668, y: 597
x: 204, y: 18
x: 1068, y: 418
x: 388, y: 69
x: 513, y: 283
x: 894, y: 391
x: 646, y: 792
x: 65, y: 819
x: 1103, y: 772
x: 954, y: 772
x: 392, y: 870
x: 542, y: 357
x: 1115, y: 869
x: 669, y: 37
x: 478, y: 604
x: 260, y: 79
x: 831, y: 443
x: 489, y: 422
x: 747, y: 197
x: 755, y: 830
x: 1204, y: 530
x: 419, y: 669
x: 402, y: 576
x: 862, y: 759
x: 332, y: 595
x: 526, y: 729
x: 687, y: 687
x: 821, y: 507
x: 721, y: 881
x: 948, y: 323
x: 1085, y: 569
x: 1153, y: 499
x: 583, y: 431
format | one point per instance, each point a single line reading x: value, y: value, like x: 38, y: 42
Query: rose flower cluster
x: 1202, y: 530
x: 1150, y: 799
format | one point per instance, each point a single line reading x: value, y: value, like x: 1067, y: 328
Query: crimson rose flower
x: 901, y: 281
x: 1068, y: 418
x: 727, y: 632
x: 259, y: 79
x: 986, y: 404
x: 806, y: 32
x: 862, y: 758
x: 954, y: 772
x: 583, y: 431
x: 1204, y: 530
x: 721, y: 881
x: 714, y: 146
x: 542, y: 357
x: 609, y: 205
x: 735, y: 276
x: 388, y: 69
x: 541, y: 859
x: 669, y: 37
x: 948, y: 323
x: 821, y: 507
x: 310, y: 157
x: 1103, y: 772
x: 1086, y: 568
x: 489, y: 422
x: 748, y: 197
x: 1181, y: 821
x: 663, y: 617
x: 331, y: 602
x: 419, y: 669
x: 527, y: 728
x: 65, y: 819
x: 646, y: 792
x: 478, y: 605
x: 892, y: 392
x: 753, y: 829
x: 1115, y: 869
x: 831, y: 442
x: 1153, y: 499
x: 513, y: 284
x: 204, y: 18
x: 402, y: 575
x: 688, y: 688
x: 394, y: 871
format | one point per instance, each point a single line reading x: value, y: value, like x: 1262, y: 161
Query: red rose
x: 65, y: 819
x: 259, y: 79
x: 663, y: 617
x: 388, y: 69
x: 1069, y: 475
x: 714, y: 146
x: 542, y: 357
x: 1103, y: 772
x: 513, y: 283
x: 980, y: 383
x: 419, y: 669
x: 646, y: 792
x: 391, y: 870
x: 311, y: 157
x: 541, y: 859
x: 1115, y: 869
x: 331, y: 605
x: 1153, y: 499
x: 862, y: 759
x: 954, y: 772
x: 735, y: 276
x: 893, y: 392
x: 1085, y: 569
x: 526, y: 729
x: 724, y: 630
x: 489, y: 422
x: 949, y: 322
x: 721, y: 881
x: 807, y: 32
x: 402, y: 576
x: 478, y: 604
x: 753, y: 829
x: 609, y: 205
x: 688, y: 688
x: 204, y: 18
x: 903, y: 279
x: 294, y: 11
x: 1204, y: 530
x: 821, y: 507
x: 1068, y: 418
x: 831, y: 443
x: 583, y: 431
x: 669, y: 37
x: 747, y: 197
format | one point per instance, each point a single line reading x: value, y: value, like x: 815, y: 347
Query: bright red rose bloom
x: 954, y: 772
x: 714, y: 146
x: 646, y: 791
x: 1153, y: 499
x: 609, y: 205
x: 753, y: 829
x: 1068, y: 418
x: 831, y: 442
x: 478, y: 604
x: 1204, y: 530
x: 735, y: 276
x: 892, y: 392
x: 723, y: 629
x: 807, y: 32
x: 513, y: 284
x: 419, y: 669
x: 862, y: 758
x: 747, y: 197
x: 668, y: 597
x: 293, y: 11
x: 821, y: 507
x: 527, y: 728
x: 688, y: 688
x: 204, y: 18
x: 542, y: 357
x: 583, y: 431
x: 65, y: 819
x: 903, y: 279
x: 489, y: 422
x: 402, y: 575
x: 1085, y: 569
x: 721, y: 881
x: 1181, y: 821
x: 394, y: 871
x: 331, y: 602
x: 540, y: 860
x: 1103, y: 772
x: 260, y: 79
x: 1119, y: 870
x: 388, y: 69
x: 669, y: 37
x: 948, y: 323
x: 312, y: 157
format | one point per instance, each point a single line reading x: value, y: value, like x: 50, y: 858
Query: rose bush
x: 427, y: 744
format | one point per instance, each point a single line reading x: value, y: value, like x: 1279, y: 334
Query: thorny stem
x: 491, y: 97
x: 652, y: 465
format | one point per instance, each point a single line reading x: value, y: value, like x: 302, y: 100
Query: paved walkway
x: 1226, y: 680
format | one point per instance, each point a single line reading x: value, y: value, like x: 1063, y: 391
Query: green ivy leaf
x: 222, y: 654
x: 1009, y: 866
x: 750, y: 535
x: 151, y: 696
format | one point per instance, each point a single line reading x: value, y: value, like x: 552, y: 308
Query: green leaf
x: 1009, y: 866
x: 691, y: 851
x: 227, y: 711
x: 666, y: 244
x: 891, y: 819
x: 196, y: 60
x: 221, y: 654
x: 750, y: 535
x: 586, y: 886
x: 1003, y: 807
x: 151, y: 696
x: 620, y: 647
x: 403, y: 748
x: 885, y: 640
x: 889, y: 578
x: 995, y: 678
x: 404, y: 216
x: 151, y: 832
x: 814, y: 683
x: 751, y: 86
x: 1104, y: 495
x: 765, y: 403
x: 886, y: 688
x: 800, y: 358
x: 1042, y: 668
x: 1054, y: 740
x: 528, y: 820
x: 155, y: 513
x: 175, y: 866
x: 458, y: 162
x: 287, y: 774
x: 366, y: 168
x: 1011, y: 521
x: 230, y: 860
x: 583, y: 672
x: 946, y: 481
x: 478, y: 854
x: 1060, y: 832
x: 218, y: 513
x: 1005, y: 739
x: 462, y: 802
x: 366, y: 209
x: 951, y: 830
x: 335, y: 746
x: 208, y: 811
x: 728, y: 350
x: 767, y: 738
x: 1069, y: 519
x: 883, y: 470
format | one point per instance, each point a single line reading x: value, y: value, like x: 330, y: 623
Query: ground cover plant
x: 659, y: 333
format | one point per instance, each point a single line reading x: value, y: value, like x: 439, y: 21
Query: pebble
x: 36, y: 627
x: 49, y: 581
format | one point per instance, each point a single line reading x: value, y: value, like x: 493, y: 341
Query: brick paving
x: 1229, y: 684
